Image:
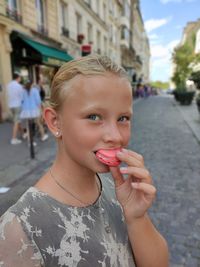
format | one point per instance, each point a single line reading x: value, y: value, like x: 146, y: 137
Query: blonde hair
x: 87, y: 66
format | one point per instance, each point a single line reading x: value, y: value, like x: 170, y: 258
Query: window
x: 78, y: 23
x: 89, y: 33
x: 80, y: 35
x: 12, y: 4
x: 105, y: 45
x: 114, y: 35
x: 13, y: 10
x: 40, y: 9
x: 104, y: 12
x: 110, y: 6
x: 125, y: 33
x: 111, y: 33
x: 126, y: 11
x: 64, y: 19
x: 98, y: 7
x: 98, y: 42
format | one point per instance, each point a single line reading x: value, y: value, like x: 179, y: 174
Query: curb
x: 191, y: 118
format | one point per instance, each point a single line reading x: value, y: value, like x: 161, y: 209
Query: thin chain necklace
x: 105, y: 220
x: 72, y: 194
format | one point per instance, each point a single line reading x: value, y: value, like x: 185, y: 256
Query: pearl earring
x: 57, y: 134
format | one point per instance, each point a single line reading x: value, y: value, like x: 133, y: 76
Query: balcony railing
x: 41, y: 29
x: 14, y: 15
x: 65, y: 31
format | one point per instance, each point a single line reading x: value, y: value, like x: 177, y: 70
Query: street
x: 171, y: 152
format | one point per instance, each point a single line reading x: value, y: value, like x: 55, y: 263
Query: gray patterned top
x: 40, y: 231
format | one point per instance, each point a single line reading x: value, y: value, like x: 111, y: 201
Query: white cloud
x: 167, y: 1
x: 155, y: 39
x: 161, y: 60
x: 153, y: 36
x: 172, y: 45
x: 158, y: 51
x: 176, y: 1
x: 153, y: 24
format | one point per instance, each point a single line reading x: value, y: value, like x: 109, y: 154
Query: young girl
x: 72, y: 216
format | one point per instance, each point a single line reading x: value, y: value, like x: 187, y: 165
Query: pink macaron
x: 108, y: 156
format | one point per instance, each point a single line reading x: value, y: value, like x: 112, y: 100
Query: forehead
x: 107, y: 86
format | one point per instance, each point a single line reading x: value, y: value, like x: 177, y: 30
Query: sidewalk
x: 15, y: 161
x: 191, y: 117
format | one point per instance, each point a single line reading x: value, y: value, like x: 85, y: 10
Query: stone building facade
x: 37, y: 36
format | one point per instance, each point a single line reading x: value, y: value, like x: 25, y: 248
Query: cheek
x: 126, y: 135
x: 80, y: 134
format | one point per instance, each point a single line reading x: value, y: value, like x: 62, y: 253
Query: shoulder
x: 27, y: 211
x: 17, y: 248
x: 27, y: 203
x: 11, y: 84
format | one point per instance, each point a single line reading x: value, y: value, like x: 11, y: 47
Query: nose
x: 112, y: 134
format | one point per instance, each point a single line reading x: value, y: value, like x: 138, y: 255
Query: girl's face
x: 96, y: 115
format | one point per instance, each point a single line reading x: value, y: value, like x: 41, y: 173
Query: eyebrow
x: 94, y: 108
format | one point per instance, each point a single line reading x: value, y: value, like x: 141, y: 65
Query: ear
x: 51, y: 118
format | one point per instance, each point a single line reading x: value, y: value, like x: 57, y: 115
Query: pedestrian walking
x: 14, y: 92
x: 72, y: 216
x: 31, y: 109
x: 42, y: 92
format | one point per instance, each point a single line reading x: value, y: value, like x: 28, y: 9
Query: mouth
x: 108, y: 156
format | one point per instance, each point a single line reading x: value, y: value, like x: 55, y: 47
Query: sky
x: 164, y: 22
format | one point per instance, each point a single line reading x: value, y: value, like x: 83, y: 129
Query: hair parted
x: 87, y: 66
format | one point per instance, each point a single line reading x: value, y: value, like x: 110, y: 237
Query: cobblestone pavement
x: 172, y: 154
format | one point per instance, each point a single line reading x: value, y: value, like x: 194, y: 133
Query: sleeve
x: 15, y: 247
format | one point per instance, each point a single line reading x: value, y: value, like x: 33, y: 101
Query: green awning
x: 50, y: 55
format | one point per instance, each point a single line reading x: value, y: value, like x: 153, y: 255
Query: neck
x: 73, y: 176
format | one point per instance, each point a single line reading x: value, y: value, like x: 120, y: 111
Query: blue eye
x: 94, y: 117
x: 124, y: 118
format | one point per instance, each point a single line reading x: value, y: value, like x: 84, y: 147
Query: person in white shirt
x: 15, y: 92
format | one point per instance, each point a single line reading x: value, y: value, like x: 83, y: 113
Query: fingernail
x: 135, y: 185
x: 124, y: 150
x: 120, y: 153
x: 123, y: 170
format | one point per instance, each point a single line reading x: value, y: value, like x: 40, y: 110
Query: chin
x: 103, y: 169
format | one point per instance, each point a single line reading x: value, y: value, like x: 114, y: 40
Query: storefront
x: 34, y: 60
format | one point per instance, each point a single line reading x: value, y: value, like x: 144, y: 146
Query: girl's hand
x: 135, y: 193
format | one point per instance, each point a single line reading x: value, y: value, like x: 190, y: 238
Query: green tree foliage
x: 182, y: 57
x: 160, y: 85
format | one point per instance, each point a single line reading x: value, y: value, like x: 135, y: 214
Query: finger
x: 130, y: 159
x: 146, y: 188
x: 140, y: 173
x: 117, y: 176
x: 133, y: 153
